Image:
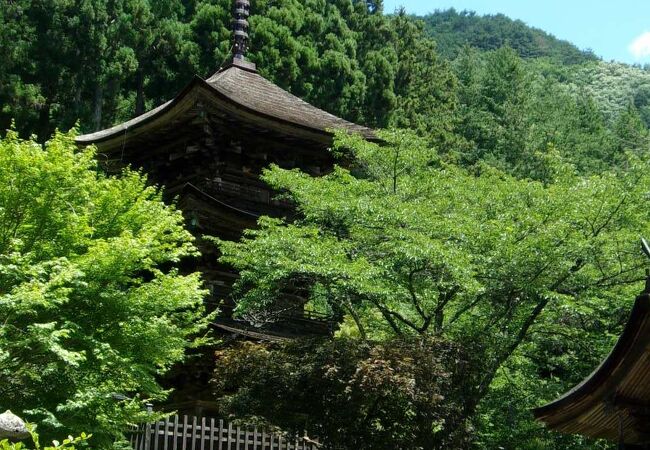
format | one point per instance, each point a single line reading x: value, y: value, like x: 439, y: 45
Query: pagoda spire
x: 240, y: 29
x: 241, y: 12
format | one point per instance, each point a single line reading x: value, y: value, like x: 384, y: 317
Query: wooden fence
x: 188, y: 433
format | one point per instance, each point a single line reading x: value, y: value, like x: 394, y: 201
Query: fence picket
x: 175, y: 434
x: 202, y: 433
x: 220, y: 447
x: 184, y: 433
x: 147, y: 437
x: 165, y: 436
x: 156, y: 433
x: 211, y: 435
x: 193, y: 428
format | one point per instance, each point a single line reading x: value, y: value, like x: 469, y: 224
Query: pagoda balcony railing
x: 292, y: 322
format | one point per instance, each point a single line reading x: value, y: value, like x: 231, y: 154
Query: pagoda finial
x: 240, y: 29
x: 241, y: 12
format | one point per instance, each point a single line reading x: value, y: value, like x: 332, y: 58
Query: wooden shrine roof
x: 614, y: 401
x: 246, y: 96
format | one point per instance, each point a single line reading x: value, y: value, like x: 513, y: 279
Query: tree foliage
x: 614, y: 86
x: 69, y: 443
x: 401, y: 393
x: 404, y: 244
x: 105, y: 62
x: 91, y: 308
x: 453, y: 30
x: 511, y: 110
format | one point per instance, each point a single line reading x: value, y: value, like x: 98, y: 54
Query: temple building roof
x: 614, y: 401
x: 241, y: 93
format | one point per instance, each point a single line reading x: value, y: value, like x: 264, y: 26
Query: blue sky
x: 614, y: 29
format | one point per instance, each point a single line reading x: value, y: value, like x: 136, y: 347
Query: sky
x: 614, y: 29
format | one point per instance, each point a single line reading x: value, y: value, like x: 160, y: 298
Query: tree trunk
x: 139, y: 99
x: 77, y: 104
x: 44, y: 129
x: 99, y: 101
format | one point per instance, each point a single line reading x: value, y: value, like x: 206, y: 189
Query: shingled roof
x: 250, y: 89
x: 614, y: 401
x: 240, y: 91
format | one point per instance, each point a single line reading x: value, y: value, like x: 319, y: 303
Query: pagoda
x: 208, y: 146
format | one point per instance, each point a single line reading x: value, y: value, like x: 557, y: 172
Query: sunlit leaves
x: 402, y: 243
x: 85, y: 310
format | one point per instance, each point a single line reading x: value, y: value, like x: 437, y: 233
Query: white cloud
x: 640, y: 47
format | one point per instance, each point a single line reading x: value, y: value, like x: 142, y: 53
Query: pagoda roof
x: 614, y: 401
x: 244, y: 95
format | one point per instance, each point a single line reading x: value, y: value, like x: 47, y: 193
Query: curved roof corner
x: 614, y: 401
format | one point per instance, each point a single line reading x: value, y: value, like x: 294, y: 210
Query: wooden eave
x: 615, y: 398
x: 289, y: 330
x: 241, y: 329
x: 239, y: 95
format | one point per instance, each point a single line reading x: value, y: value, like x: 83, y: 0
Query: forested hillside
x: 515, y: 192
x: 452, y: 30
x: 615, y: 86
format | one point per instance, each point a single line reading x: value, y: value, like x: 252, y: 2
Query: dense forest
x: 452, y: 30
x: 516, y: 176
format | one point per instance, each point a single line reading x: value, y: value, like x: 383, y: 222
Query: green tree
x: 90, y: 303
x: 496, y: 114
x: 404, y: 244
x: 92, y: 61
x: 511, y: 110
x: 20, y: 97
x: 631, y: 134
x: 613, y: 86
x: 425, y: 86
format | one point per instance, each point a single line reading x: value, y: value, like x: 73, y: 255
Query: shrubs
x: 13, y: 427
x: 349, y: 393
x: 70, y: 443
